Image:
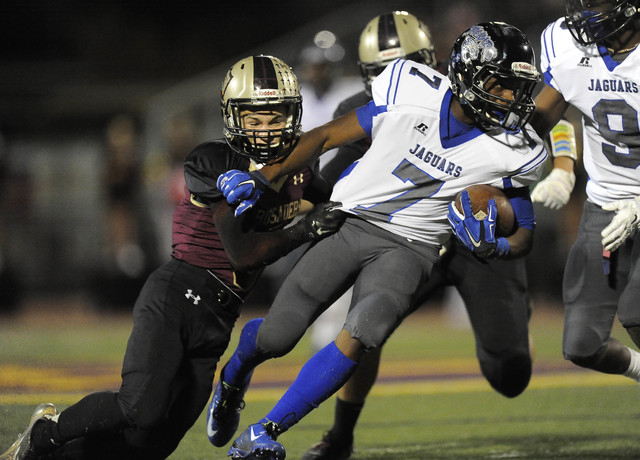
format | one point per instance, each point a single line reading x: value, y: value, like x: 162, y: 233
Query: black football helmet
x: 488, y: 51
x: 261, y: 82
x: 591, y: 21
x: 391, y: 36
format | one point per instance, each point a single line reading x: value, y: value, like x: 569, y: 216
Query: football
x: 480, y: 196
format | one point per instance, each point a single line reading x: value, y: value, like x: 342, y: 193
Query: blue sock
x: 238, y: 371
x: 318, y: 379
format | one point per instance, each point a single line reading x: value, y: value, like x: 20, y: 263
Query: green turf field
x: 430, y: 401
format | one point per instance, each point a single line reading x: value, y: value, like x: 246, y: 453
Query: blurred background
x: 100, y: 102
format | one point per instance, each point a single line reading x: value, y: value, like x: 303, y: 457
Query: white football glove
x: 554, y: 190
x: 625, y: 222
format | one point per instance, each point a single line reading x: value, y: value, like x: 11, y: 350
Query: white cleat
x: 20, y: 448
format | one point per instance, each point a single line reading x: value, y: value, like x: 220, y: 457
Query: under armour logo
x: 421, y: 128
x: 189, y: 295
x: 298, y: 179
x: 584, y: 62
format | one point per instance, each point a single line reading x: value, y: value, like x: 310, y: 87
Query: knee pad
x: 279, y: 334
x: 582, y: 346
x: 583, y: 361
x: 374, y: 319
x: 508, y: 375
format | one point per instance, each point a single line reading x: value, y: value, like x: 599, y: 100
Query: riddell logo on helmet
x: 266, y: 92
x: 524, y: 67
x: 391, y: 53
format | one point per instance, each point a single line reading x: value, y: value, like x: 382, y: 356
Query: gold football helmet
x: 261, y: 84
x: 391, y: 36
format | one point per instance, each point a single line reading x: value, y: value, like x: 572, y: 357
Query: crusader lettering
x: 437, y: 161
x: 619, y: 86
x: 272, y: 216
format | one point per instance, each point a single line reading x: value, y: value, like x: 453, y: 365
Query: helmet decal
x: 478, y: 42
x: 264, y: 77
x: 387, y: 33
x: 478, y: 45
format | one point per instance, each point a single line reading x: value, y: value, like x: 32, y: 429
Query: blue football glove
x: 479, y: 236
x: 242, y: 188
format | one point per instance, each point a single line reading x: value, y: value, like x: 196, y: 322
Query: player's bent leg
x: 613, y: 358
x: 337, y: 443
x: 223, y: 415
x: 509, y: 374
x: 318, y: 379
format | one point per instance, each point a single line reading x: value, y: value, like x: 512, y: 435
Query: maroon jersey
x: 195, y: 238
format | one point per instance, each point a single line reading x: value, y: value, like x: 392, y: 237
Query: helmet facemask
x: 493, y: 111
x: 589, y: 21
x: 261, y: 142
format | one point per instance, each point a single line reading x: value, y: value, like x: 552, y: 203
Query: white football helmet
x: 390, y: 36
x: 261, y: 83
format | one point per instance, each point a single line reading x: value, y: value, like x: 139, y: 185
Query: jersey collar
x: 453, y: 132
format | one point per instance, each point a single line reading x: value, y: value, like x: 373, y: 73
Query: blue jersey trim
x: 395, y: 78
x: 366, y: 113
x: 541, y: 157
x: 450, y: 124
x: 608, y: 60
x: 348, y: 170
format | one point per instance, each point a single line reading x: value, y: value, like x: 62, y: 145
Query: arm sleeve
x: 522, y: 207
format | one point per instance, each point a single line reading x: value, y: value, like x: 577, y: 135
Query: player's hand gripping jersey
x: 421, y: 156
x: 608, y: 95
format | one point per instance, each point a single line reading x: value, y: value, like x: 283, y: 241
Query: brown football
x: 480, y: 196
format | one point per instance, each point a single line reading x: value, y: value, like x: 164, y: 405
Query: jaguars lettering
x: 438, y: 162
x: 618, y: 86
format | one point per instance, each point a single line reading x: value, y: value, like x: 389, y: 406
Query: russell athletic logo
x: 584, y: 62
x: 421, y: 128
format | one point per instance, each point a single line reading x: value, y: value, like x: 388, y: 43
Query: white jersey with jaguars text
x: 413, y: 169
x: 608, y: 95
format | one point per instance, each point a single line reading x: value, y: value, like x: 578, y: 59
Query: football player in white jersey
x: 431, y: 138
x: 590, y: 60
x: 499, y: 321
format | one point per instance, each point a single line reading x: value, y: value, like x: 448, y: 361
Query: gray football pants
x: 386, y: 271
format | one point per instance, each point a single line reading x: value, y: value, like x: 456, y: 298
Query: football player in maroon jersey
x: 184, y: 314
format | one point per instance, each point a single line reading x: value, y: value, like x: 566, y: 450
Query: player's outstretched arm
x: 248, y: 249
x: 550, y: 108
x: 333, y: 134
x: 244, y: 188
x: 555, y: 190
